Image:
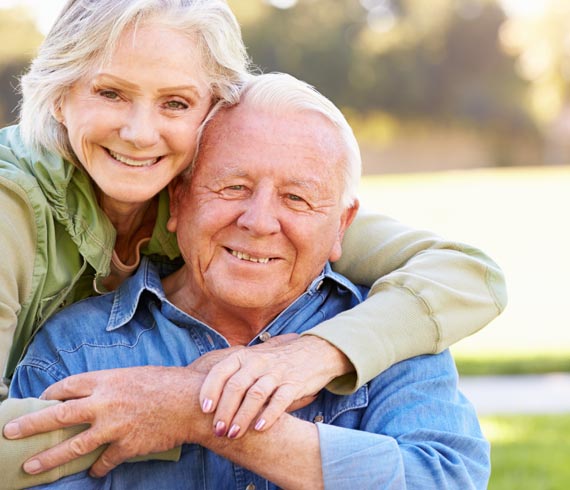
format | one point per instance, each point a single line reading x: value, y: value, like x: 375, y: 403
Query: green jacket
x: 55, y: 240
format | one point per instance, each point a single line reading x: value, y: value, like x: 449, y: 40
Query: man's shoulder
x: 76, y: 324
x: 436, y: 369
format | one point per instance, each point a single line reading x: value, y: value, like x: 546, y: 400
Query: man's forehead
x: 246, y: 116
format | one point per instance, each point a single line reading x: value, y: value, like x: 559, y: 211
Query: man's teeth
x: 244, y: 256
x: 133, y: 163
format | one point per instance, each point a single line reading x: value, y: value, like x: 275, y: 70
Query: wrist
x: 331, y: 358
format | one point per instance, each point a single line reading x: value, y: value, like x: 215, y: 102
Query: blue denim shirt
x: 408, y: 428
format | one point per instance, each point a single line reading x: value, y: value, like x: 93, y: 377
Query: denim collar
x: 128, y: 296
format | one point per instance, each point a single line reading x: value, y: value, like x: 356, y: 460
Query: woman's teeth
x: 133, y: 163
x: 244, y: 256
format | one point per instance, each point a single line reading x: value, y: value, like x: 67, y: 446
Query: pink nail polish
x: 260, y: 424
x: 220, y: 428
x: 207, y: 405
x: 234, y: 431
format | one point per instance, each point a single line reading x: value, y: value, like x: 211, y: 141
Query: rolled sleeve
x: 356, y: 459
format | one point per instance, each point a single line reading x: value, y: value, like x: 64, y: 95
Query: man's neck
x: 237, y: 325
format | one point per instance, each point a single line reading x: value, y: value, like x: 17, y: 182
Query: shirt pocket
x: 335, y: 409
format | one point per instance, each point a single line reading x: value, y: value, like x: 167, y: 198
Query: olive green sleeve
x: 13, y: 453
x: 18, y: 234
x: 427, y: 293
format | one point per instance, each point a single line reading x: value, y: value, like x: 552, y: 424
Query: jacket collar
x: 70, y: 193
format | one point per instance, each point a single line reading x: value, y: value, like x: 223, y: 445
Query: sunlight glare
x: 524, y: 8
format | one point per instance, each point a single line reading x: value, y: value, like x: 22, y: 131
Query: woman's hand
x: 255, y: 385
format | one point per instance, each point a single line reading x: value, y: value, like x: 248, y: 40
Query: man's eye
x: 236, y: 187
x: 294, y: 197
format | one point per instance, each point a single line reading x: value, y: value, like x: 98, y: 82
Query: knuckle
x: 64, y: 413
x: 69, y: 384
x: 79, y: 446
x: 236, y: 384
x: 283, y: 397
x: 258, y: 393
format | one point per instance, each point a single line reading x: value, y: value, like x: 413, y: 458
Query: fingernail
x: 220, y: 428
x: 33, y: 466
x: 234, y: 431
x: 207, y: 405
x: 11, y: 430
x: 260, y: 424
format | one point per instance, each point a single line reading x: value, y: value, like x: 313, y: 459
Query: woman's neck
x: 132, y: 221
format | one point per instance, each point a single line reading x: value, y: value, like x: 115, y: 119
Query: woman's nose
x: 141, y: 128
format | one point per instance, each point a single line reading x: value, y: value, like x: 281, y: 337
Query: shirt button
x: 318, y: 419
x: 264, y: 337
x: 251, y: 486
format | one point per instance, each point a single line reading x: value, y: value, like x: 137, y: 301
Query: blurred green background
x: 462, y: 110
x: 444, y: 84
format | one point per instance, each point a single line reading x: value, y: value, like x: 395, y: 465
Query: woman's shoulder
x: 21, y: 163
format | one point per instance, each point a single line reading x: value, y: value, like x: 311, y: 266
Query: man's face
x: 262, y: 213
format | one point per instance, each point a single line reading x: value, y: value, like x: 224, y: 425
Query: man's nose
x: 260, y: 214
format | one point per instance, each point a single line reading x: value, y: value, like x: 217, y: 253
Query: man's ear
x: 175, y: 188
x: 346, y: 219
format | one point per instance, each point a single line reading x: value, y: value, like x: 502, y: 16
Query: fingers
x: 254, y: 400
x: 215, y: 381
x: 52, y: 418
x: 281, y: 399
x: 70, y: 449
x: 112, y: 457
x: 77, y: 386
x: 231, y: 398
x: 219, y: 374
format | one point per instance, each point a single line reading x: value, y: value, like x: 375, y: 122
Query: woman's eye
x: 109, y: 94
x: 176, y: 105
x: 237, y: 187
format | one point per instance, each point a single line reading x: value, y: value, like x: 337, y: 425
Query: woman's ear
x: 57, y: 111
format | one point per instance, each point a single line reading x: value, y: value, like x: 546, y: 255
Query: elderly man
x: 258, y: 221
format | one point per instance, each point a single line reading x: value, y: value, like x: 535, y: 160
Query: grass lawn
x: 488, y: 363
x: 529, y: 452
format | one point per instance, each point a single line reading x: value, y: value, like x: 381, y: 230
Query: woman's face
x: 132, y: 123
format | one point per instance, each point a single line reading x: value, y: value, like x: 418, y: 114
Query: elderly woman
x: 111, y: 109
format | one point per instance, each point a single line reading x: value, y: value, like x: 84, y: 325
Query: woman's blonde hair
x: 85, y: 34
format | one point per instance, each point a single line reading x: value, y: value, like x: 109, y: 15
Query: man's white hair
x: 279, y: 93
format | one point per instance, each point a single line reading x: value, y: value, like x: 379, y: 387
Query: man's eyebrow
x: 231, y: 170
x: 308, y: 184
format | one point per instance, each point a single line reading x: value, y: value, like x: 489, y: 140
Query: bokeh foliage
x: 402, y: 69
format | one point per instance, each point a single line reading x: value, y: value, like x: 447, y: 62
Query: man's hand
x: 281, y: 374
x: 136, y: 411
